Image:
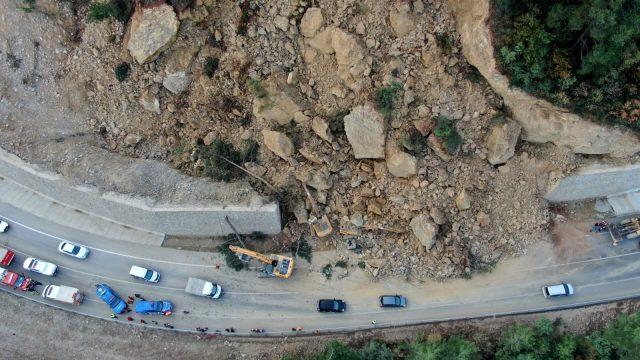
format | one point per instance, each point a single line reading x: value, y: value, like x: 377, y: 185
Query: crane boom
x: 279, y: 265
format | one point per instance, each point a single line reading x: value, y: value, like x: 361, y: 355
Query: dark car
x: 331, y: 305
x: 111, y: 297
x: 393, y: 301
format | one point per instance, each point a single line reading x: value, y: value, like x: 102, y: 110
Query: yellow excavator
x: 277, y: 265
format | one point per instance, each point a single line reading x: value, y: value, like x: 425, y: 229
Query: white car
x: 144, y: 274
x: 77, y: 251
x: 557, y: 290
x: 39, y: 266
x: 4, y: 226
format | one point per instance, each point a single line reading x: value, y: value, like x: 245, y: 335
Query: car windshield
x: 70, y: 248
x: 148, y: 275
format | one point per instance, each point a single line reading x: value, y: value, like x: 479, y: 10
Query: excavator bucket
x: 323, y: 227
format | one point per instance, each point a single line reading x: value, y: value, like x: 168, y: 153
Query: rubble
x: 501, y: 142
x: 424, y: 230
x: 278, y: 143
x: 401, y: 164
x: 311, y: 22
x: 463, y: 201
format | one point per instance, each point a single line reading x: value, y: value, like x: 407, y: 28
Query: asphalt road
x: 277, y: 305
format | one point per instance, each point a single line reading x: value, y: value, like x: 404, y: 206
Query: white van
x: 144, y: 274
x: 557, y: 290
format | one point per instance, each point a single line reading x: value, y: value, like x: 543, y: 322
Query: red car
x: 7, y: 256
x: 17, y: 281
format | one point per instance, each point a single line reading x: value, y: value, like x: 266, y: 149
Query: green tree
x: 336, y: 350
x: 624, y: 336
x: 376, y: 351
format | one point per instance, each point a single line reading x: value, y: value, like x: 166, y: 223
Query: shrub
x: 118, y: 9
x: 256, y: 88
x: 341, y: 264
x: 29, y: 5
x: 230, y: 257
x: 327, y: 271
x: 362, y: 265
x: 122, y: 71
x: 385, y: 97
x: 215, y: 165
x: 415, y: 143
x: 210, y: 66
x: 445, y: 131
x: 302, y: 248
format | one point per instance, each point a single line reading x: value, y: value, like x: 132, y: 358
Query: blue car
x: 111, y: 298
x: 163, y: 307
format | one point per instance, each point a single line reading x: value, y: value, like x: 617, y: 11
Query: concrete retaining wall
x: 596, y: 182
x: 143, y: 213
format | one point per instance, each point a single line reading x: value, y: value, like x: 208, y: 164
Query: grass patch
x: 327, y: 271
x: 210, y: 66
x: 122, y: 71
x: 386, y: 96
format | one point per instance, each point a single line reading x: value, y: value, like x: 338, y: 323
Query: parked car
x: 144, y: 274
x: 331, y: 305
x: 162, y: 307
x: 393, y: 301
x: 39, y: 266
x: 111, y: 297
x: 77, y: 251
x: 557, y: 290
x: 4, y: 226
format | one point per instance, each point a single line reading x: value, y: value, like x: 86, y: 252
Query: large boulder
x: 275, y: 106
x: 401, y: 164
x: 311, y: 22
x: 424, y: 230
x: 401, y: 19
x: 501, y: 142
x: 278, y: 143
x: 178, y: 69
x: 364, y: 127
x: 151, y: 31
x: 350, y: 57
x: 541, y: 121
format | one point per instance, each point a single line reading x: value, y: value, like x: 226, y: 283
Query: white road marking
x: 580, y: 262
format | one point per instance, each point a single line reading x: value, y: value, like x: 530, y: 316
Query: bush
x: 445, y: 131
x: 582, y: 55
x: 385, y: 97
x: 302, y: 248
x: 256, y: 88
x: 215, y: 165
x: 327, y: 271
x: 210, y: 66
x: 341, y: 264
x: 122, y: 71
x: 118, y: 9
x: 230, y: 257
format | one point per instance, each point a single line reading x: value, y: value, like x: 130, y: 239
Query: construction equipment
x: 277, y: 265
x: 321, y: 226
x: 626, y: 229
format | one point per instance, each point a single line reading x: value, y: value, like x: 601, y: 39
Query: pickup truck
x: 201, y: 287
x: 6, y: 256
x: 63, y: 294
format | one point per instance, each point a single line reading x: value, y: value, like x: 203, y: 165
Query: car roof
x: 558, y: 289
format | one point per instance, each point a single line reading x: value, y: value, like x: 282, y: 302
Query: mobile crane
x: 277, y: 265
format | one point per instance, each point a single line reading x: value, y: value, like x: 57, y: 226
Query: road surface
x: 278, y: 305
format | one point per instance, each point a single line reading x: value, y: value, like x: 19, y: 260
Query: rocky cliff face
x: 541, y: 121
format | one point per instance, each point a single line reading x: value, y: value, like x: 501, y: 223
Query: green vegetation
x: 327, y: 271
x: 210, y: 66
x: 583, y: 55
x: 118, y: 9
x: 29, y: 5
x: 13, y: 61
x: 256, y: 88
x: 446, y: 132
x: 544, y: 340
x: 415, y: 143
x: 302, y: 248
x: 232, y: 260
x: 386, y: 96
x: 219, y: 154
x: 341, y: 264
x: 362, y: 264
x: 122, y: 71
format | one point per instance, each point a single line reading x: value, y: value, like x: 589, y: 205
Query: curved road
x: 277, y: 305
